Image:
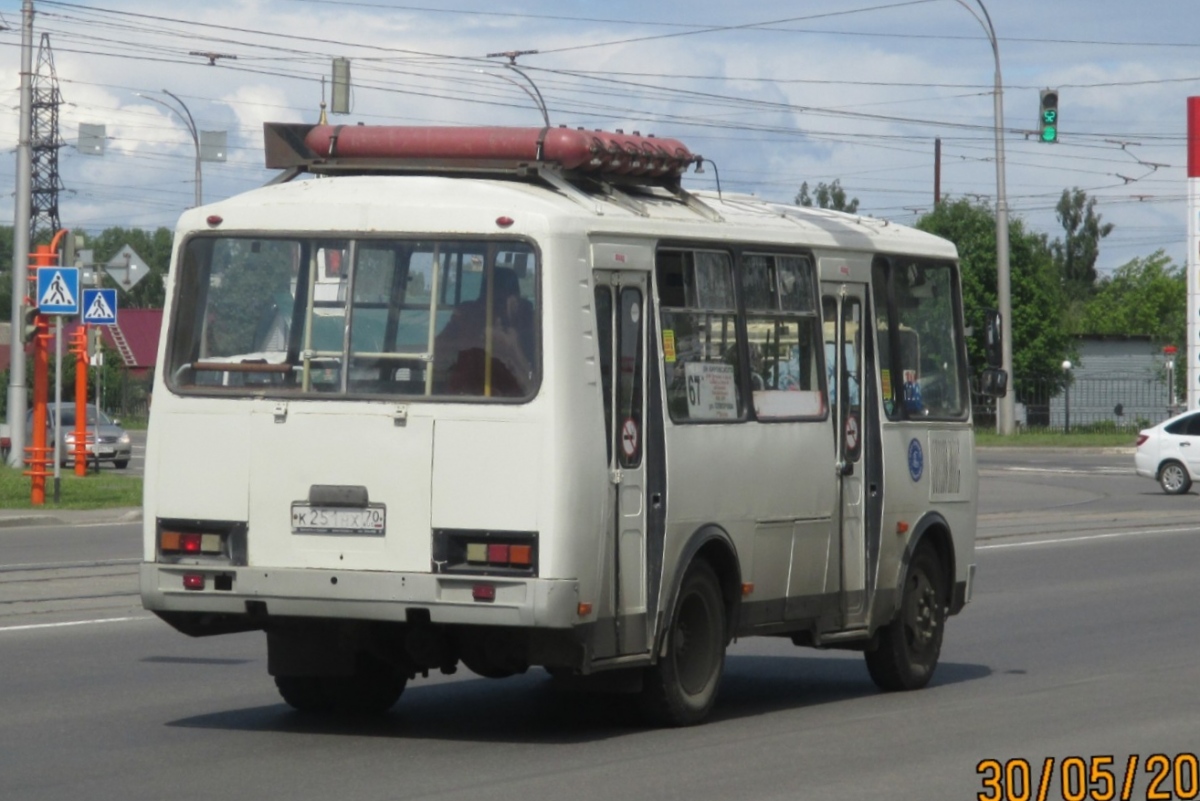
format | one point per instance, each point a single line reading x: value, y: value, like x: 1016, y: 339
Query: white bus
x: 470, y: 397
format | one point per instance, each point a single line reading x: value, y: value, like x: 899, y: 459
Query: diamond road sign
x: 58, y: 290
x: 126, y: 268
x: 100, y: 306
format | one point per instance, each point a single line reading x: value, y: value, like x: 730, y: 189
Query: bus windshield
x: 322, y: 316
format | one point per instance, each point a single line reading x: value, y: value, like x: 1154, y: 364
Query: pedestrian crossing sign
x: 100, y: 306
x: 58, y: 290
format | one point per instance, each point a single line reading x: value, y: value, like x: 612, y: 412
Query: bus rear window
x: 329, y: 316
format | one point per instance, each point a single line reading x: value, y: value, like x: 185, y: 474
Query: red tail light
x: 1142, y: 438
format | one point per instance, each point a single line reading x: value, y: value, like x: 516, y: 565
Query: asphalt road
x: 1081, y: 642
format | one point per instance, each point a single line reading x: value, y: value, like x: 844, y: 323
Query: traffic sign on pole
x: 100, y: 306
x: 58, y: 290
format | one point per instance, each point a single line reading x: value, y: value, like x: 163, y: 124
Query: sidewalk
x: 51, y: 516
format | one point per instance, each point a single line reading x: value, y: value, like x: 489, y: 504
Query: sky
x: 774, y: 93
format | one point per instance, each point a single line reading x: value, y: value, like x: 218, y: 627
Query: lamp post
x: 1169, y: 356
x: 1066, y: 366
x: 1006, y: 406
x: 186, y: 118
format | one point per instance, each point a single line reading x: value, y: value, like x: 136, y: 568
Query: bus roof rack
x: 560, y: 156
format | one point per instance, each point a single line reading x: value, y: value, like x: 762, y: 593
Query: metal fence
x: 1110, y: 401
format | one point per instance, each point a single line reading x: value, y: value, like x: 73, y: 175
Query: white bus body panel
x: 537, y: 466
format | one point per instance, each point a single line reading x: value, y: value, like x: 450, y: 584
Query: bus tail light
x: 205, y: 541
x: 193, y: 581
x: 503, y: 553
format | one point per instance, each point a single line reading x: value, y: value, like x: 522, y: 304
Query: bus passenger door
x: 849, y: 364
x: 621, y: 330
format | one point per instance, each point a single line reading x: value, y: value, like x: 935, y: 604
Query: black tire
x: 1174, y: 479
x: 908, y: 648
x: 373, y: 690
x: 121, y: 464
x: 680, y: 690
x: 304, y: 693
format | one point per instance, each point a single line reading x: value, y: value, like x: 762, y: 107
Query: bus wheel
x: 304, y: 693
x: 372, y: 690
x: 909, y: 646
x: 681, y: 688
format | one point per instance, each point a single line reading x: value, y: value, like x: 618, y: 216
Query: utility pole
x: 937, y: 171
x: 17, y: 396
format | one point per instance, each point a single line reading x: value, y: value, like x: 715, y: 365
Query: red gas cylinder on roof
x: 585, y: 151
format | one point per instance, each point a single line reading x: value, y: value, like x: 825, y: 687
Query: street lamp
x: 187, y: 120
x: 1169, y: 353
x: 1006, y: 408
x: 1066, y: 366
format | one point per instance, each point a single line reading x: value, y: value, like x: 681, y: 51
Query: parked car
x: 114, y: 443
x: 1170, y: 453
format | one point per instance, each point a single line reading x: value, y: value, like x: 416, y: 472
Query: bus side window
x: 781, y: 323
x: 699, y: 336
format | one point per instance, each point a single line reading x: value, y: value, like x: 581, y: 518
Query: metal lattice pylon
x: 45, y: 143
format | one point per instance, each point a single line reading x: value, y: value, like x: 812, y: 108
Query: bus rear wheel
x: 910, y: 645
x: 681, y: 688
x: 372, y: 690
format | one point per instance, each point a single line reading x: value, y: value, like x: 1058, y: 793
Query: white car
x: 1170, y: 453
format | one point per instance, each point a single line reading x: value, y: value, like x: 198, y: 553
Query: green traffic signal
x: 1048, y: 125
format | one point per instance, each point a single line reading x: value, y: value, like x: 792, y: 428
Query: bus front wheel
x: 909, y: 646
x: 681, y: 688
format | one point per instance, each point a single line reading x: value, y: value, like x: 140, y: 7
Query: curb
x: 70, y: 517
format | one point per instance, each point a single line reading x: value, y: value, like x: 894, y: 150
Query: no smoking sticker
x: 851, y: 433
x: 629, y: 438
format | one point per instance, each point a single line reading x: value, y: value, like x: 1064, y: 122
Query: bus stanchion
x: 79, y: 349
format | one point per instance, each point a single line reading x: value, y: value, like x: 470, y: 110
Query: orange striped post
x: 79, y: 349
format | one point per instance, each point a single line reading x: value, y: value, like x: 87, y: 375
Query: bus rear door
x: 621, y: 331
x: 850, y: 369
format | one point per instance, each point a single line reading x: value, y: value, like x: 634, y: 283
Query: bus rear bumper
x: 263, y: 593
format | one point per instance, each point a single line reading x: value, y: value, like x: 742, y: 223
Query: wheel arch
x: 935, y: 530
x: 714, y: 545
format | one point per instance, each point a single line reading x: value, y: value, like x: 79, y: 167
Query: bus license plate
x: 309, y: 519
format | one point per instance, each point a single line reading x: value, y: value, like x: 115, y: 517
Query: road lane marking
x: 74, y: 623
x: 1087, y: 537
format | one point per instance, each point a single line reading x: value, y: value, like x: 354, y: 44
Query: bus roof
x: 472, y: 204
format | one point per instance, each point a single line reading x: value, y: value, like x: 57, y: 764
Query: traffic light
x: 1048, y: 121
x: 29, y: 322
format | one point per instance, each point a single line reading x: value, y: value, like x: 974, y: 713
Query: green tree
x: 827, y: 196
x: 1040, y: 338
x: 1145, y: 296
x: 1076, y: 253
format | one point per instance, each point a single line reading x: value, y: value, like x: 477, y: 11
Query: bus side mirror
x: 993, y: 383
x: 992, y: 341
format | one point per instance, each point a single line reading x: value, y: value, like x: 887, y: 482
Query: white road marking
x: 74, y: 623
x: 1087, y: 537
x: 1109, y: 471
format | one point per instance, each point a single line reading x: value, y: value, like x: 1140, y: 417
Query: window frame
x: 899, y: 411
x: 190, y: 296
x: 736, y: 251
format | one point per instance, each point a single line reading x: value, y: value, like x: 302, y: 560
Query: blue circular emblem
x: 916, y: 460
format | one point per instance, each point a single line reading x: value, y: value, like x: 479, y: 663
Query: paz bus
x: 509, y: 398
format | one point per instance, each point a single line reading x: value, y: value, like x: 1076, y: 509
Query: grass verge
x: 1057, y: 439
x: 103, y: 491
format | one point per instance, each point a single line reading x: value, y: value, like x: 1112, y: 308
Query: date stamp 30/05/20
x: 1094, y: 778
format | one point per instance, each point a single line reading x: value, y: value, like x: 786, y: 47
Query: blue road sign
x: 100, y: 306
x: 58, y: 290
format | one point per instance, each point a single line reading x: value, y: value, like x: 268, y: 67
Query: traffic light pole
x: 18, y: 399
x: 1006, y: 406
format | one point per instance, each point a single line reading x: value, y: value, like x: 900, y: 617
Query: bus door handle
x: 845, y: 468
x: 655, y: 500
